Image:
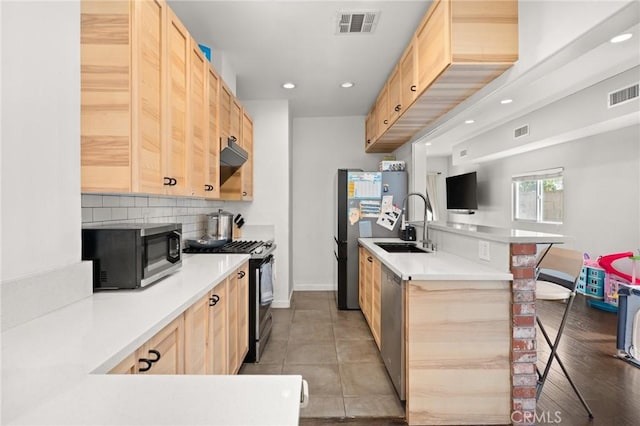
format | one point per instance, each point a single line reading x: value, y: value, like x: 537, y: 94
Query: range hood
x: 232, y: 157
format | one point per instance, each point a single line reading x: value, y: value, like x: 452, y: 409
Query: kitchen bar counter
x: 492, y: 233
x: 456, y: 332
x: 439, y: 265
x: 53, y: 368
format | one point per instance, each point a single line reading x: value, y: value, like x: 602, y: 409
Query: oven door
x: 264, y: 279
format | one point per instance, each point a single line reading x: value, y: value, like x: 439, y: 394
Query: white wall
x: 40, y: 137
x: 601, y: 177
x: 271, y: 181
x: 41, y: 247
x: 321, y: 146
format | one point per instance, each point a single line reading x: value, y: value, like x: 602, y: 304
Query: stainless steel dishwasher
x: 392, y: 333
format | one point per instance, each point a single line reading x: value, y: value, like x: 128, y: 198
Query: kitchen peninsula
x: 54, y: 367
x: 469, y: 322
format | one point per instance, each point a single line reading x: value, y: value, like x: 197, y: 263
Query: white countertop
x: 436, y: 266
x: 491, y: 233
x: 52, y: 367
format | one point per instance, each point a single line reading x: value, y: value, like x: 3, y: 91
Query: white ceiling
x: 267, y: 43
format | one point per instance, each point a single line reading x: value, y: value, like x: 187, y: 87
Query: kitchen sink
x: 402, y: 248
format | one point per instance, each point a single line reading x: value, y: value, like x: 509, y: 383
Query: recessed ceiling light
x: 506, y: 101
x: 347, y: 84
x: 620, y: 38
x: 469, y: 121
x: 428, y: 144
x: 288, y: 85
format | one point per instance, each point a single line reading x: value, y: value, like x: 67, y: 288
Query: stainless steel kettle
x: 220, y: 225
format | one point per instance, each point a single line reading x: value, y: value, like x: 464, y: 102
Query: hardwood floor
x: 610, y: 385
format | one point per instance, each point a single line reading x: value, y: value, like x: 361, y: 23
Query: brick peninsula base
x: 523, y: 337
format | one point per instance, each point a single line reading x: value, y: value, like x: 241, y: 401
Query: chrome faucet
x: 427, y: 206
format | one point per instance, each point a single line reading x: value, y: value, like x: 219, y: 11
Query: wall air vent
x: 521, y: 132
x: 357, y: 22
x: 623, y: 95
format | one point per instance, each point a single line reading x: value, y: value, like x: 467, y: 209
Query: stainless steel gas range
x: 261, y: 280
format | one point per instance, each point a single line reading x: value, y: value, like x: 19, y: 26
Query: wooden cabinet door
x: 196, y: 337
x: 212, y: 175
x: 235, y: 119
x: 434, y: 44
x: 129, y: 365
x: 376, y: 277
x: 232, y: 324
x: 197, y: 121
x: 382, y: 111
x: 178, y: 41
x: 148, y: 95
x: 247, y: 167
x: 362, y: 265
x: 243, y: 312
x: 123, y: 96
x: 368, y: 286
x: 370, y: 127
x: 408, y: 76
x: 394, y: 100
x: 218, y: 347
x: 225, y: 111
x: 167, y: 348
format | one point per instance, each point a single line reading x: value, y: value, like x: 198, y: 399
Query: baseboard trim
x: 314, y: 287
x: 282, y: 304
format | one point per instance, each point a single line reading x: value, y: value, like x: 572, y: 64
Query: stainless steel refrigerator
x: 368, y: 205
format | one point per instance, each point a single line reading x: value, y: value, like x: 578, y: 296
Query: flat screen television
x: 462, y: 192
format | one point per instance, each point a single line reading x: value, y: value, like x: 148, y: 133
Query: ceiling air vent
x: 521, y: 131
x: 623, y: 95
x: 357, y: 22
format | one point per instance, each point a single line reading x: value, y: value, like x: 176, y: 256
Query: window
x: 539, y: 196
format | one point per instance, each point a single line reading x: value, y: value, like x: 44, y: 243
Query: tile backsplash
x: 191, y: 212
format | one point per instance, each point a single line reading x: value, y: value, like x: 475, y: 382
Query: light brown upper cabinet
x: 122, y: 96
x: 198, y: 120
x: 178, y: 80
x: 225, y: 111
x: 247, y: 168
x: 235, y: 119
x: 382, y: 109
x: 371, y: 127
x: 394, y: 96
x: 408, y: 76
x: 457, y: 49
x: 212, y: 176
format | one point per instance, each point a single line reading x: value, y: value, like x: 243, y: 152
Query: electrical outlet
x: 484, y: 252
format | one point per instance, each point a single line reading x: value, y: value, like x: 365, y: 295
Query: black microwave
x: 130, y: 256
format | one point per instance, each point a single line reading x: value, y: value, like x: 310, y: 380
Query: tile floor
x: 335, y: 352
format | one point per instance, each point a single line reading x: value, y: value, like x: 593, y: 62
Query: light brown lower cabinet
x: 162, y: 354
x: 218, y: 358
x: 210, y: 337
x: 369, y: 287
x: 457, y: 345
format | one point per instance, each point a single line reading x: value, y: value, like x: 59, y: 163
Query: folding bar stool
x: 557, y: 278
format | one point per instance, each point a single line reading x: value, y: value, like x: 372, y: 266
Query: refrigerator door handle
x: 339, y: 242
x: 336, y: 255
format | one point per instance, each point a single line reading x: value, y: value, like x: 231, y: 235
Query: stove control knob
x: 258, y: 250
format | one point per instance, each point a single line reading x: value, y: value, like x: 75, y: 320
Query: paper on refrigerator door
x: 389, y: 218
